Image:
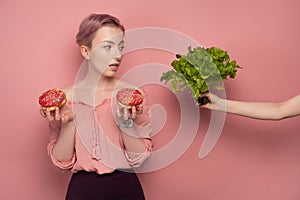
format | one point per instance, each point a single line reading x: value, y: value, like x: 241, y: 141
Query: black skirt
x: 112, y: 186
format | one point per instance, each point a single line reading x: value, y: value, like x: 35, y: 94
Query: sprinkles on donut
x: 129, y: 97
x: 52, y: 98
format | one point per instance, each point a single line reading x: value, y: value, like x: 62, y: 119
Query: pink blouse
x: 98, y: 141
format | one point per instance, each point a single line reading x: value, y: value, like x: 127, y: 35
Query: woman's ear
x: 85, y: 52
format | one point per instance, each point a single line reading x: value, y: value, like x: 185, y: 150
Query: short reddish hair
x: 91, y: 24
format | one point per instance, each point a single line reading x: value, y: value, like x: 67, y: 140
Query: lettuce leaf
x: 200, y: 69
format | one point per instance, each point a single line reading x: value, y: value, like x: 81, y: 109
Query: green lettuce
x: 200, y: 69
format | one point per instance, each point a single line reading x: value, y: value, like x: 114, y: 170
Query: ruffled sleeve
x: 139, y: 159
x: 54, y: 133
x: 143, y: 130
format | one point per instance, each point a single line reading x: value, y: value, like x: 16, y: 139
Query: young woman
x: 87, y: 135
x: 257, y: 110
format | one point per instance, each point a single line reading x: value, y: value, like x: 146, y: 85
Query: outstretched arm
x: 257, y: 110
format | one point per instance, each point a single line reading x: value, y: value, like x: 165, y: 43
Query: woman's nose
x: 118, y: 57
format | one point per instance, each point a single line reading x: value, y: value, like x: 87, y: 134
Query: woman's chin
x: 109, y: 74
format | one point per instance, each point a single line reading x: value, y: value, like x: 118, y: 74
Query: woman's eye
x: 107, y: 47
x: 121, y: 48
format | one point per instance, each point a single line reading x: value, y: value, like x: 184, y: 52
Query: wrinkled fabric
x: 98, y: 141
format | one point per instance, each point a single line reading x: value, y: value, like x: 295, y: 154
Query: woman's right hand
x: 63, y: 114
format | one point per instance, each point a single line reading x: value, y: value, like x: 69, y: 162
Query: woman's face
x: 106, y: 50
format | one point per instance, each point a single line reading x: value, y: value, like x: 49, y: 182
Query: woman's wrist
x: 221, y: 105
x: 67, y: 124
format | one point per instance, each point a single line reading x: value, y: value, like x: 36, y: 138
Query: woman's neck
x: 94, y: 87
x: 95, y: 81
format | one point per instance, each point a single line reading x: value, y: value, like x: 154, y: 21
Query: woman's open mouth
x: 114, y: 66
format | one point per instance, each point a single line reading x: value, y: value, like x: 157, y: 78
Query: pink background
x: 252, y: 159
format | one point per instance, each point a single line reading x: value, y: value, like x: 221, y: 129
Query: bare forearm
x: 257, y: 110
x: 267, y: 111
x: 63, y: 149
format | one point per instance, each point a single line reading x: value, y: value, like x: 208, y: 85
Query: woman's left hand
x: 125, y: 116
x: 126, y: 113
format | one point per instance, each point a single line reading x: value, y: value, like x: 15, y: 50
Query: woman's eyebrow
x: 108, y: 41
x: 111, y: 42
